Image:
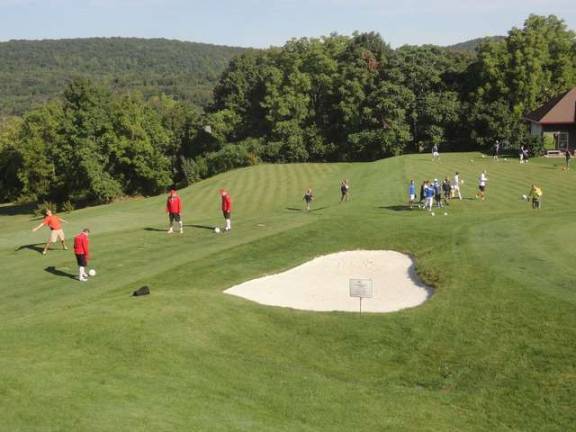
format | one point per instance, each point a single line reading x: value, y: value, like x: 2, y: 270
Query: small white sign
x: 361, y: 288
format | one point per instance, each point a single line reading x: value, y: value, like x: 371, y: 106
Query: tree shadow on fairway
x: 36, y: 247
x: 14, y: 210
x: 206, y: 227
x: 56, y: 272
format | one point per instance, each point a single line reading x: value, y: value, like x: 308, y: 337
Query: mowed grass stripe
x: 491, y: 350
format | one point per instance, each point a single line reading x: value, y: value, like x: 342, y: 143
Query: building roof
x: 559, y: 110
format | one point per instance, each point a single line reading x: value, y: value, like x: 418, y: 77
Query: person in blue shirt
x: 437, y: 193
x: 411, y: 193
x: 429, y: 194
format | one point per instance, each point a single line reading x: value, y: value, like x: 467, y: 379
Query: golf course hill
x: 491, y: 350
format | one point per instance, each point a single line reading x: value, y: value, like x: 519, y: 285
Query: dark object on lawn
x: 141, y: 291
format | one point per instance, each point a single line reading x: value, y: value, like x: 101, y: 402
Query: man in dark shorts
x: 82, y: 253
x: 174, y: 207
x: 344, y: 189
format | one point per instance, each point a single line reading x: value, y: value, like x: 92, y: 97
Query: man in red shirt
x: 82, y: 253
x: 226, y: 208
x: 174, y: 207
x: 56, y: 233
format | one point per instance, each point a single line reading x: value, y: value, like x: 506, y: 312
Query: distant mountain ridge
x: 34, y: 71
x: 472, y: 45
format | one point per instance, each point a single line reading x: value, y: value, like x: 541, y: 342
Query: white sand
x: 323, y: 284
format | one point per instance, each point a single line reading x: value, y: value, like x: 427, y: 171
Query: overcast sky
x: 262, y: 23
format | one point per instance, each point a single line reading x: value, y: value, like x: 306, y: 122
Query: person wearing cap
x: 82, y: 253
x: 174, y: 207
x: 56, y: 232
x: 226, y: 208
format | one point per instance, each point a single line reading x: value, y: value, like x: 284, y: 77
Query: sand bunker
x: 323, y: 284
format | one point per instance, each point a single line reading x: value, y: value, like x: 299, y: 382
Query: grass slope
x: 493, y: 350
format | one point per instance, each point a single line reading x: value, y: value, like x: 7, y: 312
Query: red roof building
x: 555, y: 121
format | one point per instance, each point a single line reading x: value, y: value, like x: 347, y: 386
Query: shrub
x: 67, y: 206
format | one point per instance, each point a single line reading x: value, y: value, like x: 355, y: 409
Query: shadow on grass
x: 36, y: 247
x: 303, y: 210
x: 14, y: 210
x: 56, y: 272
x: 399, y: 208
x: 154, y: 229
x: 206, y: 227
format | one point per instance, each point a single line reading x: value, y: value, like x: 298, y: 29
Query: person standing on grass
x: 437, y: 193
x: 536, y: 195
x: 308, y: 197
x: 429, y: 195
x: 411, y: 193
x: 81, y: 251
x: 456, y: 182
x: 422, y: 194
x: 482, y: 180
x: 435, y: 152
x: 226, y: 208
x: 56, y: 232
x: 344, y: 190
x: 496, y: 150
x: 174, y: 207
x: 447, y: 190
x: 567, y: 155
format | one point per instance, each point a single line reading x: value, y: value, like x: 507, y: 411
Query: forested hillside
x: 335, y: 98
x: 35, y: 71
x: 472, y: 46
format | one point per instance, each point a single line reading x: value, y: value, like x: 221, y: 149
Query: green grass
x: 493, y: 350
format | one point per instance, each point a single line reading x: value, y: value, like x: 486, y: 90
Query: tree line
x: 335, y: 98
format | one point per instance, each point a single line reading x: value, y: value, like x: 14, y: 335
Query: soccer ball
x: 524, y: 197
x: 432, y: 214
x: 92, y: 272
x: 445, y: 214
x: 217, y: 230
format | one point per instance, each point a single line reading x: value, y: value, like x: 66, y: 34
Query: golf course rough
x: 322, y: 284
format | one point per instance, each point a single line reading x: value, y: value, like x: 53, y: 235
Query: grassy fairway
x: 493, y: 350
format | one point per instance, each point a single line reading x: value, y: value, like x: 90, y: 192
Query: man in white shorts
x: 56, y: 232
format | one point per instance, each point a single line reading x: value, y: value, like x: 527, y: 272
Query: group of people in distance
x: 344, y: 194
x: 81, y: 241
x: 435, y: 192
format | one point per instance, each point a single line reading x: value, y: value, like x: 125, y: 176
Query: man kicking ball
x: 82, y: 254
x: 226, y: 208
x: 56, y: 232
x: 174, y: 207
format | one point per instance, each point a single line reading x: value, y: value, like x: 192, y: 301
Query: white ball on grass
x: 92, y: 272
x: 524, y: 197
x: 432, y: 214
x: 445, y: 213
x: 217, y: 230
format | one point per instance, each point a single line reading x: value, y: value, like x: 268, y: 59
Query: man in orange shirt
x: 56, y: 233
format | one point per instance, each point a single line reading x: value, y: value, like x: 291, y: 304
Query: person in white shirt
x: 456, y: 182
x: 482, y: 180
